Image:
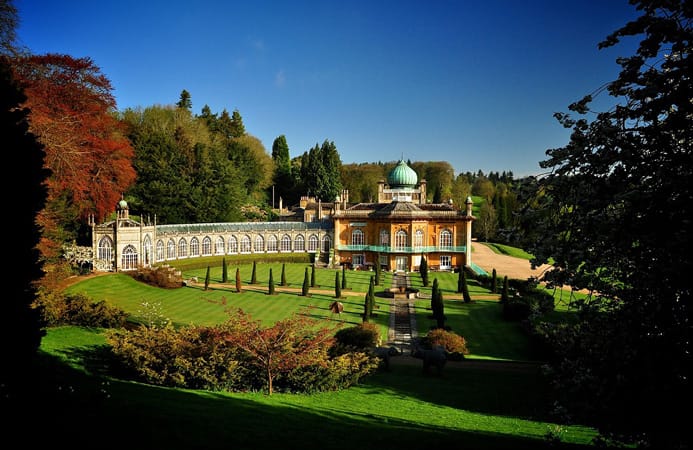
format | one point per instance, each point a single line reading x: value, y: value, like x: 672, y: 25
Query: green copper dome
x: 402, y: 176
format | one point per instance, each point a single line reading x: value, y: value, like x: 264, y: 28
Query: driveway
x: 515, y: 268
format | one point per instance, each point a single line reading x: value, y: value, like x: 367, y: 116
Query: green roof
x: 402, y: 176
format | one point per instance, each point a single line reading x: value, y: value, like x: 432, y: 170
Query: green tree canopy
x: 614, y: 215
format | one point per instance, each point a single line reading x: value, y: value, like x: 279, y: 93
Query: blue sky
x: 472, y: 83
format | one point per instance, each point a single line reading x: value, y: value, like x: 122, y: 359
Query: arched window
x: 233, y: 244
x: 300, y: 244
x: 384, y: 237
x: 313, y: 243
x: 259, y: 245
x: 206, y: 246
x: 171, y: 249
x: 272, y: 243
x: 285, y: 243
x: 401, y: 239
x: 245, y: 244
x: 182, y: 248
x: 219, y: 246
x: 418, y: 238
x: 147, y: 249
x: 159, y: 250
x: 357, y: 237
x: 326, y: 243
x: 129, y: 258
x: 445, y: 238
x: 105, y: 249
x: 194, y: 247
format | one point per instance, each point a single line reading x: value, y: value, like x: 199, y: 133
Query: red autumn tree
x: 73, y: 116
x: 286, y: 345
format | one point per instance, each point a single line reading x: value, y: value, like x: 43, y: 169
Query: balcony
x: 402, y: 250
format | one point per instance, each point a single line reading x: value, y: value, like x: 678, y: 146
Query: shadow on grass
x: 65, y: 406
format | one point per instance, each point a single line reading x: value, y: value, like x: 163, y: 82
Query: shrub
x: 78, y: 309
x: 160, y: 276
x: 363, y: 336
x: 454, y: 344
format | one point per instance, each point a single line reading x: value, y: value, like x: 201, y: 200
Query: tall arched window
x: 206, y: 246
x: 129, y: 258
x: 445, y: 238
x: 272, y: 243
x: 326, y: 243
x: 159, y: 250
x: 219, y: 246
x: 245, y: 244
x: 171, y: 249
x: 401, y: 239
x: 418, y: 238
x: 233, y: 244
x: 300, y: 244
x: 105, y: 249
x: 384, y: 237
x: 194, y: 247
x: 147, y: 250
x: 285, y: 245
x: 182, y: 248
x: 313, y: 243
x: 259, y: 245
x: 357, y: 237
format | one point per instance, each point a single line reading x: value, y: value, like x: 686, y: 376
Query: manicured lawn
x: 480, y: 323
x: 463, y: 408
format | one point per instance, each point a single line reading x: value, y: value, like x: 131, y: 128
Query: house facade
x: 396, y: 232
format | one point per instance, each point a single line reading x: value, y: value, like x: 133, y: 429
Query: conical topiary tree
x: 494, y: 281
x: 337, y: 286
x: 239, y: 286
x: 283, y: 281
x: 306, y: 285
x: 367, y: 305
x: 253, y: 276
x: 312, y: 275
x: 271, y: 283
x: 434, y: 297
x: 371, y: 295
x: 423, y: 270
x: 462, y: 286
x: 344, y: 281
x: 505, y: 293
x: 224, y: 271
x: 377, y: 270
x: 207, y: 279
x: 437, y: 304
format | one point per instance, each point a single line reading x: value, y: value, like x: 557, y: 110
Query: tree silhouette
x: 283, y: 280
x: 312, y: 275
x: 207, y: 279
x: 494, y: 281
x: 224, y: 271
x: 23, y: 328
x: 614, y: 216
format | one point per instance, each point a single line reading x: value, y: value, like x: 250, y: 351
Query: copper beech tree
x: 286, y: 345
x: 89, y: 157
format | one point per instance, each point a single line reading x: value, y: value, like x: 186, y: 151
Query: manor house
x: 396, y: 232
